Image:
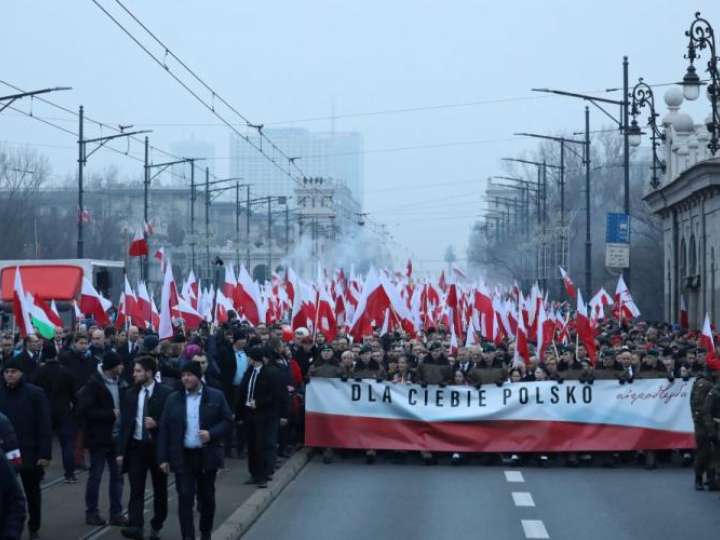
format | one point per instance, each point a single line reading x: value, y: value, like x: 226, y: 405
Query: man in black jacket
x: 98, y: 405
x: 59, y: 386
x: 129, y: 351
x: 258, y: 407
x: 142, y: 408
x: 13, y: 508
x: 233, y: 363
x: 77, y: 359
x: 26, y: 407
x: 193, y: 425
x: 30, y: 356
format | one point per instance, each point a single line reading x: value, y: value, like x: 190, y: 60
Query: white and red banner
x: 517, y: 417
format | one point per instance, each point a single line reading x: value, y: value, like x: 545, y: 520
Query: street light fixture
x: 701, y: 36
x: 642, y: 95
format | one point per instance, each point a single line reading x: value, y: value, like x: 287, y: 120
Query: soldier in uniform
x: 435, y: 369
x: 326, y: 367
x: 705, y: 406
x: 367, y: 368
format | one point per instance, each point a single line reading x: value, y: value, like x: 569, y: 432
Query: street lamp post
x: 701, y: 36
x: 623, y: 122
x: 642, y: 95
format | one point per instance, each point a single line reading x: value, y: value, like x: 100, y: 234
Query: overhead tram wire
x: 168, y: 52
x: 102, y: 125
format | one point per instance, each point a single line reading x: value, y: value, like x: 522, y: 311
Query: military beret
x: 365, y: 349
x: 608, y: 354
x: 489, y: 347
x: 653, y: 352
x: 325, y: 347
x: 435, y: 345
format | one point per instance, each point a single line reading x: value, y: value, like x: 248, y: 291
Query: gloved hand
x: 477, y: 386
x: 344, y: 378
x: 631, y: 380
x: 590, y: 380
x: 499, y: 382
x: 686, y: 378
x: 671, y: 377
x: 379, y: 380
x: 442, y: 385
x: 622, y: 381
x: 560, y: 380
x: 358, y: 379
x: 423, y: 384
x: 307, y: 380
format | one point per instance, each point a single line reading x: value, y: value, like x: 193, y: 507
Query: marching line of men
x: 154, y: 422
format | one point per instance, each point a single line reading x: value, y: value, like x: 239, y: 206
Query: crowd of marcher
x: 122, y: 400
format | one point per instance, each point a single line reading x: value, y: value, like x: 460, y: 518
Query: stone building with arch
x: 688, y: 202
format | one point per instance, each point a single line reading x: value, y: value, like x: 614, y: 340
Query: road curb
x: 241, y: 520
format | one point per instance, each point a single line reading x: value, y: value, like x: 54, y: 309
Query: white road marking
x: 514, y: 476
x: 522, y: 498
x: 534, y: 528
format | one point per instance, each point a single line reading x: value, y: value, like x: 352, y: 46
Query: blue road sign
x: 617, y: 228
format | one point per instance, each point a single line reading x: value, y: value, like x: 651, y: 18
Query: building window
x: 693, y: 256
x: 683, y: 259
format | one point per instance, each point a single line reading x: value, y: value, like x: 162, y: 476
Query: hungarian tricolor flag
x: 138, y: 247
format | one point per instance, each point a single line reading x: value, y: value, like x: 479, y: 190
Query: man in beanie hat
x: 705, y: 407
x: 27, y: 409
x: 99, y: 410
x: 258, y: 407
x: 196, y: 452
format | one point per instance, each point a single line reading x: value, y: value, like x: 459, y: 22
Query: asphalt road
x: 351, y: 500
x: 63, y: 505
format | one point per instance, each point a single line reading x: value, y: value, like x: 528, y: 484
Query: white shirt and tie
x: 144, y: 396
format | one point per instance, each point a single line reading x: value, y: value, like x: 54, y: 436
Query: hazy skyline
x: 461, y: 72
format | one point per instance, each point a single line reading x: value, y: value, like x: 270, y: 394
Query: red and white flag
x: 569, y: 287
x: 165, y: 329
x: 585, y: 331
x: 684, y: 322
x: 191, y: 318
x: 21, y: 309
x: 522, y: 350
x: 149, y: 229
x: 138, y: 246
x: 93, y: 303
x: 706, y: 338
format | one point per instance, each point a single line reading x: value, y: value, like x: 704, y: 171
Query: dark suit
x: 140, y: 456
x: 261, y: 423
x: 227, y: 362
x: 27, y: 409
x: 128, y: 360
x: 195, y: 469
x: 30, y: 363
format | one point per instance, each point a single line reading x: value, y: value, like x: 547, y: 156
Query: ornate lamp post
x: 701, y: 36
x: 642, y: 96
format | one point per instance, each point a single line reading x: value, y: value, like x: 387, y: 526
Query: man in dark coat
x: 192, y: 428
x: 13, y: 508
x: 258, y: 408
x: 233, y: 363
x: 142, y: 408
x: 59, y: 386
x: 9, y: 442
x: 30, y: 356
x: 27, y: 409
x: 77, y: 359
x: 98, y: 404
x: 129, y: 351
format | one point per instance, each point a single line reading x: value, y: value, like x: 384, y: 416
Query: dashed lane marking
x: 514, y: 476
x: 523, y: 498
x: 534, y: 528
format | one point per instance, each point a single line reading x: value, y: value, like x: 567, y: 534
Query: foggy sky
x: 278, y: 61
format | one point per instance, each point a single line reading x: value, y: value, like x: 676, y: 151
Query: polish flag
x: 160, y: 255
x: 569, y: 287
x: 624, y: 304
x: 230, y: 285
x: 683, y: 314
x: 191, y: 318
x: 248, y: 302
x: 149, y: 229
x: 21, y: 310
x: 78, y: 313
x: 371, y: 307
x: 165, y: 329
x: 545, y: 330
x: 408, y: 269
x: 54, y: 315
x: 122, y: 316
x: 706, y: 338
x: 585, y: 331
x: 92, y: 302
x: 453, y: 343
x: 484, y: 306
x: 522, y: 350
x: 138, y: 246
x: 155, y: 316
x: 143, y: 299
x: 325, y: 320
x: 222, y: 306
